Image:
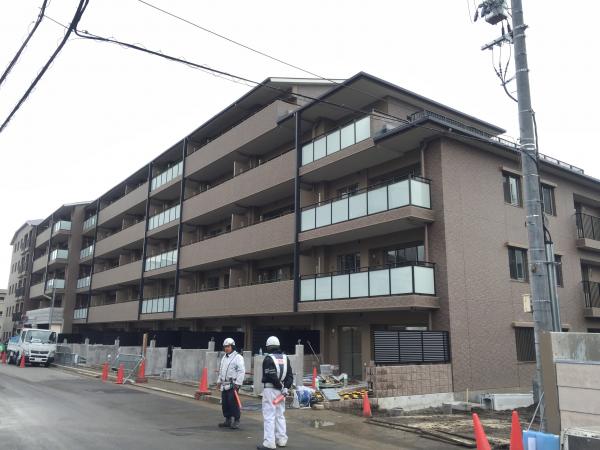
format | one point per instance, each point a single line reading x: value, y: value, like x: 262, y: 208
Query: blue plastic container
x: 535, y: 440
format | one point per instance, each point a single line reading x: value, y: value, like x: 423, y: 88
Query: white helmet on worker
x: 273, y: 342
x: 228, y: 341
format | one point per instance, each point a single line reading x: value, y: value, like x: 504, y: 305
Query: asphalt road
x: 51, y: 409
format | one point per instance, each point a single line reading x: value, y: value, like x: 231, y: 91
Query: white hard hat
x: 228, y: 341
x: 273, y: 342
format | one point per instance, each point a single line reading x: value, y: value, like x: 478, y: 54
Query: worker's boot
x: 225, y: 424
x: 235, y: 424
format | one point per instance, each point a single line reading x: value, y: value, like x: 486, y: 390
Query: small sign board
x: 527, y: 303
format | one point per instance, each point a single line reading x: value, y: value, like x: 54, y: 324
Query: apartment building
x: 370, y: 209
x: 3, y: 293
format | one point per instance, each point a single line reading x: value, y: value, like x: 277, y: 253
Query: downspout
x: 298, y: 136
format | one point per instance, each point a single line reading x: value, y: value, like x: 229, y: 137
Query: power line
x: 76, y: 18
x: 29, y: 36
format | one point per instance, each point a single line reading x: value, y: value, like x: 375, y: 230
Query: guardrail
x: 588, y: 226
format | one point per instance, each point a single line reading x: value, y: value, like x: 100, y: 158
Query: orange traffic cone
x: 3, y: 357
x: 516, y: 437
x: 203, y: 387
x: 366, y: 405
x: 22, y: 361
x: 141, y: 377
x: 105, y: 371
x: 120, y: 374
x: 480, y: 437
x: 314, y: 378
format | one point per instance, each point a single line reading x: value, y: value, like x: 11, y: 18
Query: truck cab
x: 38, y: 346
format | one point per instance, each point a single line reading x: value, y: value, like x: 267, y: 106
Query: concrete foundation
x: 415, y: 402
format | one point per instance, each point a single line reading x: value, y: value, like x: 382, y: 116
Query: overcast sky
x: 101, y: 111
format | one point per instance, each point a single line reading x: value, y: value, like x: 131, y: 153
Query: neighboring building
x: 375, y: 224
x: 3, y: 293
x: 16, y: 300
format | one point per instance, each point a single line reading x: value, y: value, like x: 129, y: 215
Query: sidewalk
x: 324, y: 424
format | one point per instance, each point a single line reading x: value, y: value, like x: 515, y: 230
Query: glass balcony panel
x: 307, y: 289
x: 339, y: 210
x: 172, y: 304
x: 323, y: 215
x: 424, y: 280
x: 307, y: 219
x: 398, y: 194
x: 320, y: 148
x: 333, y: 142
x: 357, y: 206
x: 363, y: 129
x: 401, y: 280
x: 359, y: 284
x: 379, y: 282
x: 144, y: 307
x: 323, y: 288
x: 307, y: 154
x: 420, y: 195
x: 347, y: 136
x: 377, y: 200
x: 340, y: 286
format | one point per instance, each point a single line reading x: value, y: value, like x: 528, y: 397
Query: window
x: 512, y: 189
x: 548, y: 201
x: 347, y: 191
x: 348, y: 263
x: 559, y: 271
x: 401, y: 255
x: 212, y: 283
x: 517, y: 262
x: 525, y: 344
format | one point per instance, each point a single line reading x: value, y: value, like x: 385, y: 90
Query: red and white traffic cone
x: 120, y: 374
x: 105, y: 371
x: 141, y: 376
x: 366, y: 405
x: 203, y: 387
x: 22, y: 365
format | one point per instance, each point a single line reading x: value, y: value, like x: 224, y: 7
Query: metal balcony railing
x: 86, y: 252
x: 80, y: 313
x: 591, y: 294
x: 84, y: 282
x: 59, y: 254
x: 158, y: 305
x: 61, y: 225
x: 166, y: 176
x: 90, y: 222
x: 588, y: 227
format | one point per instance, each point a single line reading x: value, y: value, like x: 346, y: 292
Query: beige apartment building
x: 359, y: 212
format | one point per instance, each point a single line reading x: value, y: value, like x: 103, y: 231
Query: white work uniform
x: 231, y: 370
x: 273, y: 415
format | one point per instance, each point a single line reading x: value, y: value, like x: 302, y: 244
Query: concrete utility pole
x: 538, y: 263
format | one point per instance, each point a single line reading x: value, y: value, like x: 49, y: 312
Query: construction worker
x: 231, y: 378
x: 277, y: 378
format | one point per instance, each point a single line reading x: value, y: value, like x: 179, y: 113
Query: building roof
x: 32, y: 223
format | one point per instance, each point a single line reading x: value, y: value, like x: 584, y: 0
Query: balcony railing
x: 374, y: 199
x: 243, y: 284
x: 80, y: 313
x: 164, y: 217
x: 158, y: 305
x: 61, y: 225
x: 55, y: 283
x: 411, y: 278
x: 162, y: 260
x: 90, y: 222
x: 591, y: 294
x: 334, y: 141
x: 86, y: 252
x: 59, y: 254
x: 20, y: 291
x: 588, y: 227
x: 167, y: 175
x: 84, y: 282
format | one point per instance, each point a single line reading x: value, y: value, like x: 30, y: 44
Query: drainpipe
x: 298, y: 137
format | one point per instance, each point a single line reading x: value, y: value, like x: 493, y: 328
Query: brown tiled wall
x: 396, y: 381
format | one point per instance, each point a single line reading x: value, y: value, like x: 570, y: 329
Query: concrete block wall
x: 187, y: 364
x: 409, y: 380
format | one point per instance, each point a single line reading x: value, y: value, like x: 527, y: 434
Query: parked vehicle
x: 38, y: 346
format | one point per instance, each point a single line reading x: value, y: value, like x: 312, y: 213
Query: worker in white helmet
x: 231, y: 378
x: 277, y: 378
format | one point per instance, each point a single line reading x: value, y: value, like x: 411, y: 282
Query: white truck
x: 38, y: 346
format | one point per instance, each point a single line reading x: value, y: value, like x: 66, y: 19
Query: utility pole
x: 542, y: 279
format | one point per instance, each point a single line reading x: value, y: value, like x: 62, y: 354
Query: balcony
x: 55, y: 284
x: 254, y: 131
x: 130, y: 237
x: 160, y: 224
x: 388, y: 287
x: 116, y: 312
x: 42, y: 316
x: 257, y: 186
x: 261, y: 240
x: 36, y: 290
x: 125, y: 274
x: 158, y: 305
x: 166, y: 178
x: 61, y: 226
x: 79, y: 315
x: 376, y: 210
x: 43, y: 237
x: 134, y: 200
x: 39, y: 263
x: 90, y: 223
x: 84, y: 282
x: 164, y: 260
x: 58, y: 257
x: 588, y: 232
x: 591, y: 296
x: 86, y: 253
x: 257, y: 299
